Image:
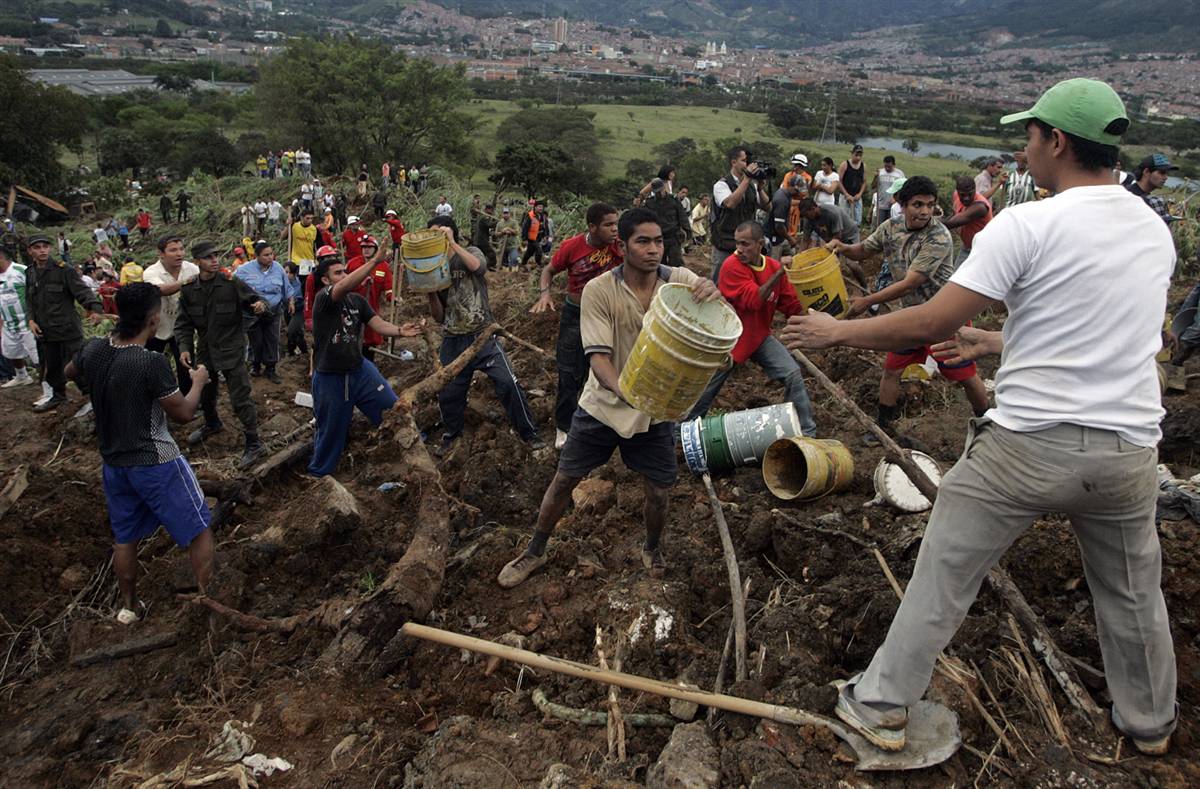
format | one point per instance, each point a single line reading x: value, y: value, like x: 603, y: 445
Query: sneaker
x: 47, y: 393
x: 888, y: 735
x: 18, y: 380
x: 197, y: 437
x: 654, y: 562
x: 49, y: 405
x: 254, y: 452
x: 255, y: 372
x: 1156, y: 747
x: 84, y: 411
x: 520, y: 568
x: 560, y: 439
x: 127, y: 616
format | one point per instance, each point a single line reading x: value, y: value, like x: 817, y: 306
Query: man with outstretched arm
x: 1074, y: 428
x: 342, y: 379
x: 612, y: 310
x: 147, y: 481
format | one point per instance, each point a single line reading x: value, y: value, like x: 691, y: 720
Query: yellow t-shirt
x: 131, y: 272
x: 302, y: 242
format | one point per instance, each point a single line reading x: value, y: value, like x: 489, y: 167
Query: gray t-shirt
x: 883, y: 182
x: 834, y: 222
x: 466, y: 302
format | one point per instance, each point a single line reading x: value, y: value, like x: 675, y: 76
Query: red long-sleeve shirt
x: 739, y: 284
x: 396, y: 228
x: 376, y: 289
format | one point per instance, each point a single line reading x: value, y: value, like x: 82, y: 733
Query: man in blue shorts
x: 342, y: 378
x: 147, y: 482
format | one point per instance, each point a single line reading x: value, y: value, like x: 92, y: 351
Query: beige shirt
x: 610, y: 320
x: 156, y: 274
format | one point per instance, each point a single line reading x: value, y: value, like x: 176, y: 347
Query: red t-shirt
x: 739, y: 285
x: 108, y: 296
x: 143, y: 221
x: 583, y: 262
x: 352, y: 242
x: 376, y: 289
x: 968, y: 231
x: 396, y: 228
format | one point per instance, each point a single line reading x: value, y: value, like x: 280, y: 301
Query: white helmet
x: 389, y: 212
x: 800, y: 159
x: 352, y: 220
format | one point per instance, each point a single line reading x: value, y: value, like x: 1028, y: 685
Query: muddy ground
x: 819, y: 606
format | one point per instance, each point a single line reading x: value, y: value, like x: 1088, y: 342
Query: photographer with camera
x: 736, y: 199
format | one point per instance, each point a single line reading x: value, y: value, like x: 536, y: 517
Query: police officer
x: 52, y: 288
x: 212, y: 306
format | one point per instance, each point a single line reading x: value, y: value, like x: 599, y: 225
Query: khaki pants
x: 1004, y: 481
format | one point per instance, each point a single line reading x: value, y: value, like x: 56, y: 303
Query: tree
x: 162, y: 29
x: 911, y: 145
x: 173, y: 82
x: 206, y: 150
x: 570, y: 128
x: 676, y: 149
x: 37, y: 123
x: 351, y: 101
x: 534, y: 167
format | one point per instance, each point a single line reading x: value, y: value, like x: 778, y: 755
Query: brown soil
x: 819, y: 606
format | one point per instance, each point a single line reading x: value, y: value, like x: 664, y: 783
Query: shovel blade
x: 931, y: 738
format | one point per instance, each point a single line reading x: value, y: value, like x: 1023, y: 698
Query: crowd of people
x: 1067, y: 408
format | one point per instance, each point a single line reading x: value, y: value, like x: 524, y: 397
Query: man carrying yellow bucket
x: 612, y: 310
x: 1075, y: 425
x: 920, y: 252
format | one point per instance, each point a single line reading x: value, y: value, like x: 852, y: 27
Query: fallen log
x: 735, y: 582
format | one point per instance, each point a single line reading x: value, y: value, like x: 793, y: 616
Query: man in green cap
x: 212, y: 306
x: 1074, y: 428
x: 52, y: 289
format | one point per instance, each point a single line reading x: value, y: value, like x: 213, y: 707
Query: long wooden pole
x: 735, y: 582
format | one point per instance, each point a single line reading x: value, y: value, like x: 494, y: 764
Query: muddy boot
x: 653, y: 561
x: 254, y: 451
x: 887, y: 416
x: 520, y: 568
x: 197, y: 437
x: 273, y: 376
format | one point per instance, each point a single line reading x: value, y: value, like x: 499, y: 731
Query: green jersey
x: 12, y: 299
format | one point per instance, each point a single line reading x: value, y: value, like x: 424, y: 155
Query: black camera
x: 765, y: 171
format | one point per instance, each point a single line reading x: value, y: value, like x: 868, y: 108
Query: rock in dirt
x: 73, y: 578
x: 684, y: 710
x: 690, y: 761
x: 278, y: 425
x: 593, y: 495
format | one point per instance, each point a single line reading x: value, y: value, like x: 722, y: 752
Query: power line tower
x: 829, y: 130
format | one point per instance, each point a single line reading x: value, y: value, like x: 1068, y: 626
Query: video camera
x: 765, y: 171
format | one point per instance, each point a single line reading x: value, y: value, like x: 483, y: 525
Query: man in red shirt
x: 143, y: 222
x: 376, y: 289
x: 310, y: 285
x: 352, y: 237
x: 397, y: 231
x: 755, y: 286
x: 583, y: 257
x: 972, y: 212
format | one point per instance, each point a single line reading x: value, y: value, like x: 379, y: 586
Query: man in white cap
x: 352, y: 237
x: 1075, y: 426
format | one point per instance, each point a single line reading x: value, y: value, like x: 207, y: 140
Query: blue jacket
x: 272, y: 285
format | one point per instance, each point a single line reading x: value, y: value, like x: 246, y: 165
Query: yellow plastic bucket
x: 426, y: 262
x: 681, y: 345
x: 807, y: 468
x: 816, y: 275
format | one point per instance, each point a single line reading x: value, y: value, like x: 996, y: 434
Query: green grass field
x: 632, y: 131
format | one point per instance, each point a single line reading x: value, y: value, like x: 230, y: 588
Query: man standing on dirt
x: 52, y: 288
x: 920, y: 254
x: 268, y: 279
x: 852, y: 181
x: 342, y: 379
x: 147, y: 481
x: 164, y: 208
x: 1075, y: 425
x: 736, y: 199
x: 507, y: 232
x: 213, y: 306
x: 972, y: 213
x: 534, y: 231
x: 583, y: 257
x: 464, y: 312
x: 611, y: 313
x: 483, y: 226
x: 755, y: 286
x: 17, y: 342
x: 303, y: 244
x: 881, y: 183
x: 170, y: 273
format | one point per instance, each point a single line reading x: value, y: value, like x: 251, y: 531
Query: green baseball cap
x: 1086, y: 108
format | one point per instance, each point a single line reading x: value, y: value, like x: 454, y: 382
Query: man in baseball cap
x: 1152, y: 173
x: 352, y: 237
x: 1075, y: 425
x: 797, y: 176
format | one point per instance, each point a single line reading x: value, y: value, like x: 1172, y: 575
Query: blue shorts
x: 140, y: 498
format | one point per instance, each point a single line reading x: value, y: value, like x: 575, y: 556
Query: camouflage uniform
x: 929, y: 250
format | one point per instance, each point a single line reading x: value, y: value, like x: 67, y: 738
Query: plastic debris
x: 263, y: 766
x: 231, y: 744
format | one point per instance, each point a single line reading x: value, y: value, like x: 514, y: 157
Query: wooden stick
x: 735, y: 582
x: 1045, y: 702
x: 1051, y: 653
x: 719, y: 685
x: 870, y: 546
x: 887, y: 572
x: 890, y: 448
x: 526, y: 344
x: 445, y: 375
x: 15, y: 487
x: 136, y: 646
x: 594, y: 718
x: 757, y: 709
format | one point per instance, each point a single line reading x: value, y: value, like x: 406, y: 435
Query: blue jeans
x: 779, y: 365
x: 854, y: 208
x: 335, y: 396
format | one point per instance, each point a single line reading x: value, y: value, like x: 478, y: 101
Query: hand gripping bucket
x: 816, y: 275
x: 738, y: 438
x: 681, y: 345
x: 807, y: 468
x: 426, y: 262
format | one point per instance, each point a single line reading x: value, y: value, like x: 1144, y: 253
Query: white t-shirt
x: 260, y: 209
x: 273, y: 209
x: 896, y: 210
x: 821, y: 179
x: 444, y: 209
x: 306, y: 191
x: 157, y: 274
x: 1084, y: 277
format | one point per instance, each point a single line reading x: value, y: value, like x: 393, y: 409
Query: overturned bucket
x: 807, y: 468
x: 681, y: 345
x: 739, y: 438
x: 894, y: 487
x: 426, y: 261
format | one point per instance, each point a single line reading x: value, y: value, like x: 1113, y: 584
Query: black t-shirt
x: 126, y: 384
x: 338, y: 331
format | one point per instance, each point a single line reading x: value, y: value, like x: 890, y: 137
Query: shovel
x: 932, y: 734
